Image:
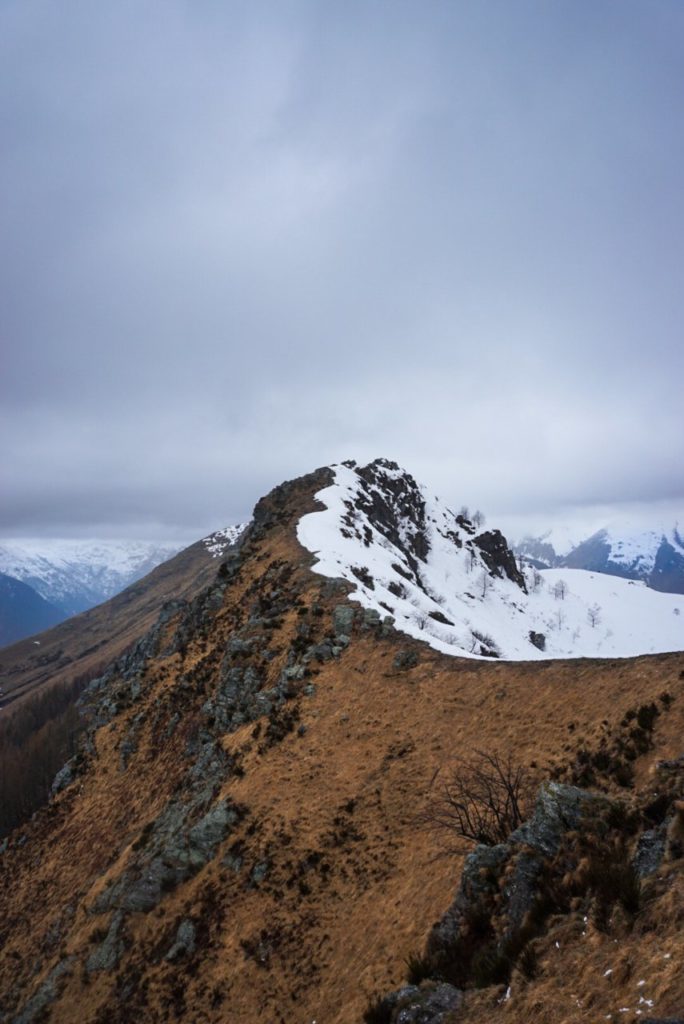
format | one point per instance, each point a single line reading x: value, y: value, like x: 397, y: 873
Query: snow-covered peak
x: 219, y: 542
x: 459, y: 589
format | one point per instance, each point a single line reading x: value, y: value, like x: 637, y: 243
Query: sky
x: 242, y: 240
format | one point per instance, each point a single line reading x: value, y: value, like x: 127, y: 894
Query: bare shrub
x: 479, y: 799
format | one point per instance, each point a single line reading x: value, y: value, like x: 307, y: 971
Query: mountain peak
x: 441, y: 579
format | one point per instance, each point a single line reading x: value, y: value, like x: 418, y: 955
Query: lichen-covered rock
x: 107, y: 955
x: 650, y: 851
x: 171, y: 853
x: 319, y: 652
x: 405, y: 659
x: 46, y: 994
x: 212, y: 829
x: 502, y: 883
x: 184, y: 944
x: 371, y: 618
x: 431, y: 1003
x: 478, y: 887
x: 558, y: 809
x: 343, y: 619
x: 64, y: 777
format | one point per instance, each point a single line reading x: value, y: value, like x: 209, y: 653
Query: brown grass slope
x: 308, y: 900
x: 94, y: 638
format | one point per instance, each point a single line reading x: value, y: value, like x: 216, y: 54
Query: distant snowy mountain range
x: 655, y: 556
x: 445, y: 581
x: 76, y: 575
x: 44, y: 581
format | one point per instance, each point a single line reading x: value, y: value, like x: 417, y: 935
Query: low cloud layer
x: 242, y: 241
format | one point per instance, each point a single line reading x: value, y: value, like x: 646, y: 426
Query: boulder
x: 184, y: 944
x: 343, y: 619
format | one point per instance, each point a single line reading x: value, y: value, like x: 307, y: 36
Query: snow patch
x: 218, y: 543
x: 410, y: 557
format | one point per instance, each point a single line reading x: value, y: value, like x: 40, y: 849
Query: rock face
x: 432, y: 1004
x: 510, y: 884
x: 499, y: 558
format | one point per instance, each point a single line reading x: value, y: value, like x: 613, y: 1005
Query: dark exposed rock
x: 498, y: 557
x: 503, y: 881
x: 393, y: 503
x: 278, y: 505
x: 343, y: 619
x: 64, y: 777
x: 440, y: 617
x: 650, y: 851
x: 429, y: 1004
x: 405, y: 659
x: 46, y: 994
x: 107, y: 955
x: 537, y: 640
x: 363, y: 576
x: 184, y: 944
x: 170, y: 850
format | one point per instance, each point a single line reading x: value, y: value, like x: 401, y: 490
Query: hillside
x: 92, y: 639
x: 23, y: 611
x: 239, y: 839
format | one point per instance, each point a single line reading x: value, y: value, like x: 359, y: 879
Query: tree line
x: 37, y: 737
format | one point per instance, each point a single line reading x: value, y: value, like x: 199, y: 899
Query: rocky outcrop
x: 498, y: 557
x: 503, y: 883
x: 432, y: 1004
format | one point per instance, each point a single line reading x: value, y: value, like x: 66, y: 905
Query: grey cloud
x: 240, y: 243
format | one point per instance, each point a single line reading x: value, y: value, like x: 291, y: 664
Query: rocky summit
x: 339, y: 782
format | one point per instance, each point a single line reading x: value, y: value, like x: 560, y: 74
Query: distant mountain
x: 23, y: 611
x: 655, y: 556
x: 77, y: 575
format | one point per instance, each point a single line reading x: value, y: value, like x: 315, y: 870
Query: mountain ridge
x: 238, y: 838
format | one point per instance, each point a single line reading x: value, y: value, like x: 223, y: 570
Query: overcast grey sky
x: 241, y: 240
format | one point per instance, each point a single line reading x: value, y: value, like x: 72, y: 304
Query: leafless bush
x: 479, y: 799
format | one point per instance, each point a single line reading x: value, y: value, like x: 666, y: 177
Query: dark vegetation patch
x: 612, y: 759
x: 37, y: 737
x: 440, y: 617
x: 363, y: 575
